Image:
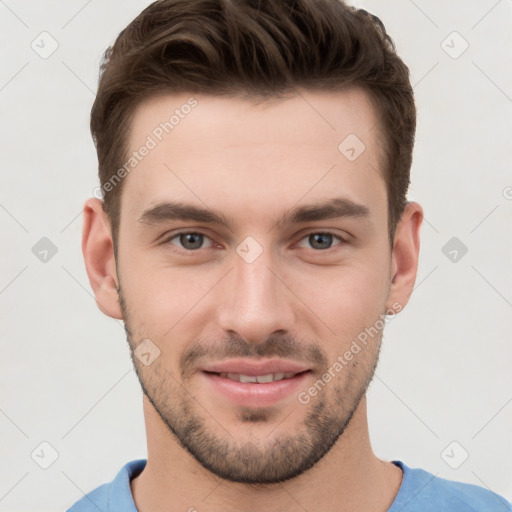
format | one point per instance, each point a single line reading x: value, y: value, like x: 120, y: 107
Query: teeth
x: 268, y: 378
x: 244, y: 378
x: 260, y: 379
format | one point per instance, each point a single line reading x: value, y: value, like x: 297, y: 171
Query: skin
x: 251, y: 162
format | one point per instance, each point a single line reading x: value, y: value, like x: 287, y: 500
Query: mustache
x: 280, y: 345
x: 234, y: 346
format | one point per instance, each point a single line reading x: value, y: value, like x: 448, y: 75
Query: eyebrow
x: 331, y: 209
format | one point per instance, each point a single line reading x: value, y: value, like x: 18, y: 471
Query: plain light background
x: 66, y: 375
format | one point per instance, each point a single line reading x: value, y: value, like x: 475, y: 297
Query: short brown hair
x: 259, y: 48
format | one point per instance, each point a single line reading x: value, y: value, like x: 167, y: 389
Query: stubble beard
x: 259, y: 461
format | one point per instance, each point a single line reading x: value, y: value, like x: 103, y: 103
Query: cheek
x: 163, y: 301
x: 346, y: 299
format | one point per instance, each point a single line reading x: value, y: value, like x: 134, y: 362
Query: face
x: 252, y: 243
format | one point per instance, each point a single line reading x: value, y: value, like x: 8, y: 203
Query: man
x: 255, y: 238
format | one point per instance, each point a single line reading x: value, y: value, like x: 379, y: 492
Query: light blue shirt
x: 420, y: 491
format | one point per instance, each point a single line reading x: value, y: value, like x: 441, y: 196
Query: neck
x: 348, y: 478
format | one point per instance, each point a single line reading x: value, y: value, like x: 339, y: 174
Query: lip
x: 251, y: 394
x: 254, y: 368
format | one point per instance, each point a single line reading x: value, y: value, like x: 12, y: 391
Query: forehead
x: 253, y: 157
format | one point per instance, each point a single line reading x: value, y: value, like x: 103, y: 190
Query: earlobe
x: 98, y: 251
x: 405, y: 256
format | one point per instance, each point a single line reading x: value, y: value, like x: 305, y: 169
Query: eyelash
x: 342, y: 241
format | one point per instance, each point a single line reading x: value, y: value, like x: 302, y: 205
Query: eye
x: 321, y: 240
x: 191, y: 241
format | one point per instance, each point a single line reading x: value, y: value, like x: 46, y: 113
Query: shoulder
x: 94, y: 500
x: 112, y: 496
x: 423, y: 491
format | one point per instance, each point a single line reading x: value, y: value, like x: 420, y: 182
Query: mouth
x: 257, y: 368
x: 257, y: 379
x: 262, y: 390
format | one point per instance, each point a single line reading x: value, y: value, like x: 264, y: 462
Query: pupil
x: 191, y: 240
x: 320, y: 240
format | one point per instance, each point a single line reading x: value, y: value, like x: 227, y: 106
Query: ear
x: 404, y: 257
x: 98, y: 251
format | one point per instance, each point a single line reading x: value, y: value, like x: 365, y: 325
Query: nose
x: 255, y: 301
